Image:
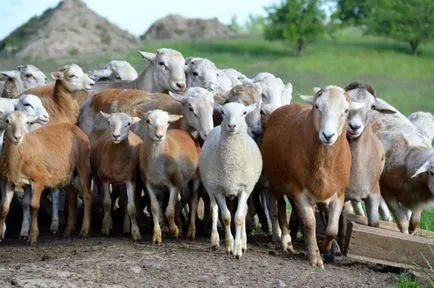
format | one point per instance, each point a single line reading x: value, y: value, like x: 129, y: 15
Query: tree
x: 254, y: 25
x: 410, y: 21
x: 352, y: 12
x: 234, y: 25
x: 296, y: 21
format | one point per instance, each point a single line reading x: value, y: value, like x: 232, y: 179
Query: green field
x: 405, y: 81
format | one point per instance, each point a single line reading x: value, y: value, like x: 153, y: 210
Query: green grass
x: 405, y: 281
x: 405, y: 81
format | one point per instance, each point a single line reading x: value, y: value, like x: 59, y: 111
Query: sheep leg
x: 85, y: 179
x: 294, y: 221
x: 170, y: 211
x: 240, y: 221
x: 226, y: 217
x: 264, y: 201
x: 275, y: 229
x: 372, y: 207
x: 384, y: 211
x: 414, y: 220
x: 34, y: 209
x: 260, y: 209
x: 131, y: 189
x: 307, y: 214
x: 107, y: 223
x: 285, y: 240
x: 335, y: 210
x: 399, y: 214
x: 155, y: 209
x: 25, y: 224
x: 191, y: 232
x: 358, y: 209
x: 55, y: 193
x: 215, y: 238
x: 72, y: 211
x: 5, y: 209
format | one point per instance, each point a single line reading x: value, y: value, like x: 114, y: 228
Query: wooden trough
x: 387, y: 246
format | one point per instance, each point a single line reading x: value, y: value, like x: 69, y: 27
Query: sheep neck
x: 10, y: 159
x: 230, y: 141
x: 145, y: 80
x: 155, y: 150
x: 62, y: 97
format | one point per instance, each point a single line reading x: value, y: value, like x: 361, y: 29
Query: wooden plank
x: 387, y: 247
x: 387, y: 225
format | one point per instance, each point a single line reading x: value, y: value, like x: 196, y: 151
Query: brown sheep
x: 307, y: 157
x: 46, y: 158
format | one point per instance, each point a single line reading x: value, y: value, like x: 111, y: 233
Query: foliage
x: 351, y: 12
x: 254, y: 25
x: 234, y: 25
x: 410, y: 21
x: 296, y: 21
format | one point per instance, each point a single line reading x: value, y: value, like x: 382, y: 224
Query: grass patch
x: 406, y: 281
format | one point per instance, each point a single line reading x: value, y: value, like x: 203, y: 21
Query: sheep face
x: 197, y: 109
x: 358, y: 119
x: 168, y: 69
x: 115, y: 70
x: 32, y: 105
x: 201, y: 72
x: 73, y: 77
x: 23, y: 78
x: 119, y: 125
x: 331, y: 106
x: 424, y: 121
x: 234, y: 116
x: 427, y: 170
x: 157, y: 123
x: 17, y: 125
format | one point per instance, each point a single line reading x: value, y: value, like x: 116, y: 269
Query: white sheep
x: 164, y: 73
x: 274, y: 91
x: 230, y: 165
x: 202, y: 72
x: 115, y: 70
x: 424, y: 121
x: 21, y: 79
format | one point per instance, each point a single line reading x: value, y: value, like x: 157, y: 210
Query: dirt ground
x: 119, y: 262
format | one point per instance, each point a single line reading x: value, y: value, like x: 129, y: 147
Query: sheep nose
x: 232, y: 126
x: 328, y: 137
x: 158, y: 136
x: 17, y: 138
x: 354, y: 127
x: 180, y: 85
x: 116, y: 136
x: 91, y: 83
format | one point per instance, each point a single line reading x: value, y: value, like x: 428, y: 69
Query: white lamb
x: 230, y: 165
x: 21, y: 79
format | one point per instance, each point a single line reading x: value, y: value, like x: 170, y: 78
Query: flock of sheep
x: 184, y: 129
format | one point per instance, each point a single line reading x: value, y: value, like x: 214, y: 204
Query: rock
x: 176, y: 27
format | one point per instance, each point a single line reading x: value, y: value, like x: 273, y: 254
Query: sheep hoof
x: 135, y: 233
x: 175, y: 232
x: 23, y: 237
x: 315, y: 260
x: 191, y: 234
x: 156, y: 238
x: 214, y: 247
x: 84, y: 233
x: 237, y: 257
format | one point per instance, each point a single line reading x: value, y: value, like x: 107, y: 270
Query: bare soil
x: 119, y: 262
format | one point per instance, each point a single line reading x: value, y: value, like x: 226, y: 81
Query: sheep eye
x: 316, y: 106
x: 7, y: 121
x: 29, y: 75
x: 262, y: 112
x: 147, y: 121
x: 373, y: 106
x: 245, y: 113
x: 28, y: 122
x: 195, y: 74
x: 222, y: 112
x: 191, y: 109
x: 346, y: 110
x: 28, y: 105
x: 129, y: 123
x: 162, y: 64
x: 72, y: 76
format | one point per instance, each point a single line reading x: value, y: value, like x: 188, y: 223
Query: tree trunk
x: 300, y: 47
x: 414, y: 47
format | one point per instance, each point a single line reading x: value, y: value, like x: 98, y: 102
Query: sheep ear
x: 58, y: 75
x: 3, y: 123
x: 422, y: 169
x: 178, y: 98
x: 288, y: 87
x: 219, y: 99
x: 134, y: 120
x: 174, y: 117
x: 383, y: 108
x: 307, y: 99
x: 105, y: 115
x: 258, y: 88
x: 356, y: 105
x: 218, y: 107
x: 316, y: 89
x: 147, y: 55
x: 10, y: 74
x: 139, y: 114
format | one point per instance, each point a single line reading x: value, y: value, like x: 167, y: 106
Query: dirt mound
x: 176, y: 27
x: 68, y: 29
